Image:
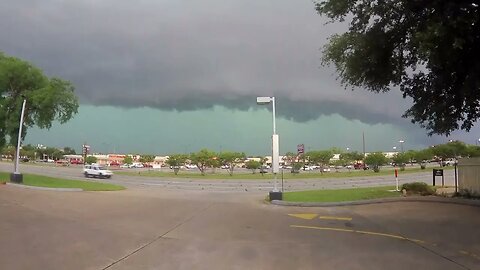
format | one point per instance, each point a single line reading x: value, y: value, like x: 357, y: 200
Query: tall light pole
x: 275, y: 194
x: 401, y: 144
x: 16, y: 176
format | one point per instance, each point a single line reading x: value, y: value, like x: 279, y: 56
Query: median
x: 50, y: 182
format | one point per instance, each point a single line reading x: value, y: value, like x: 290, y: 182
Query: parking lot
x: 158, y: 228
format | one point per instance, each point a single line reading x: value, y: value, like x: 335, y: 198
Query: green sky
x: 146, y: 130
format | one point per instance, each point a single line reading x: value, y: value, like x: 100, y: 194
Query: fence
x: 469, y: 175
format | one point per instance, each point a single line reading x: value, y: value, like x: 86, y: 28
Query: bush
x: 466, y: 193
x: 418, y: 188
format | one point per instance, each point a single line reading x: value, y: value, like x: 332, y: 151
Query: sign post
x: 85, y: 149
x: 396, y: 179
x: 438, y: 172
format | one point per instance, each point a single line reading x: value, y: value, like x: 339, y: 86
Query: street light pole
x: 16, y: 176
x: 275, y: 194
x: 401, y: 144
x: 273, y: 114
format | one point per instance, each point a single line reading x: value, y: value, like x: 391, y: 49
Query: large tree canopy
x: 48, y: 99
x: 430, y: 49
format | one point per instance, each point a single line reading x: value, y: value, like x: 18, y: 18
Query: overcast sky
x: 199, y: 64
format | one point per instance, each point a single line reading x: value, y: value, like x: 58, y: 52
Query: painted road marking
x: 336, y: 218
x: 470, y: 254
x: 360, y: 232
x: 304, y: 216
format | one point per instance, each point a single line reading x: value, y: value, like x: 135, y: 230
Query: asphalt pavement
x: 234, y: 185
x: 159, y: 228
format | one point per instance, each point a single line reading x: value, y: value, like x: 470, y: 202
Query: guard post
x: 438, y: 172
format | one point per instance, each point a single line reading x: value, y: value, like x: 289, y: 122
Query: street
x: 162, y: 228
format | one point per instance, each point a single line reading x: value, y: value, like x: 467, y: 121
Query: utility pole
x: 363, y: 134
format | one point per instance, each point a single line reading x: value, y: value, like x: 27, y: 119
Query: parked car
x: 76, y: 161
x: 359, y: 166
x: 191, y: 166
x: 62, y: 162
x: 126, y: 165
x: 114, y: 163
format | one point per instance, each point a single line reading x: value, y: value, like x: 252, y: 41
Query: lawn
x: 286, y: 175
x: 45, y: 181
x: 340, y: 195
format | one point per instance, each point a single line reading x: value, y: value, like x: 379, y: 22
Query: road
x: 225, y: 224
x: 249, y: 185
x: 158, y: 228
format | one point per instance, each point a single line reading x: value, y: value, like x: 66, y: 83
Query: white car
x: 191, y: 166
x: 95, y: 170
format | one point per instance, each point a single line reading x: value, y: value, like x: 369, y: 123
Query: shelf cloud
x: 189, y: 55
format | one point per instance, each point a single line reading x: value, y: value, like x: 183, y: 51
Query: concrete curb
x: 45, y: 188
x: 431, y: 199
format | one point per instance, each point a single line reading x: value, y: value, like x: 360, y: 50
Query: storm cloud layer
x: 188, y: 55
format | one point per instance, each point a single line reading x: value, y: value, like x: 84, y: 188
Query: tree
x: 203, y: 159
x: 289, y: 158
x: 449, y: 150
x: 214, y: 163
x: 49, y: 153
x: 175, y: 161
x: 320, y: 158
x: 400, y: 159
x: 127, y: 160
x: 293, y: 160
x: 230, y: 159
x: 8, y: 151
x: 147, y: 158
x: 350, y: 157
x: 473, y: 151
x: 422, y: 157
x: 375, y: 160
x: 428, y: 49
x: 48, y: 99
x: 253, y: 165
x: 91, y: 159
x: 68, y: 151
x: 296, y: 166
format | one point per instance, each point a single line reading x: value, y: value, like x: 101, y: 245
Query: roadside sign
x: 438, y: 172
x: 85, y: 149
x: 300, y: 149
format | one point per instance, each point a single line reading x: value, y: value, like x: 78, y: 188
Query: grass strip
x: 50, y: 182
x: 341, y: 195
x: 257, y: 176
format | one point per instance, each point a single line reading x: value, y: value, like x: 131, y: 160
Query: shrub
x: 466, y: 193
x: 418, y: 188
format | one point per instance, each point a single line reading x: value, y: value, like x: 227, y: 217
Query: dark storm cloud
x: 188, y: 55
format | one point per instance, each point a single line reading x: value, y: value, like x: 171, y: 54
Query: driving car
x: 96, y: 170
